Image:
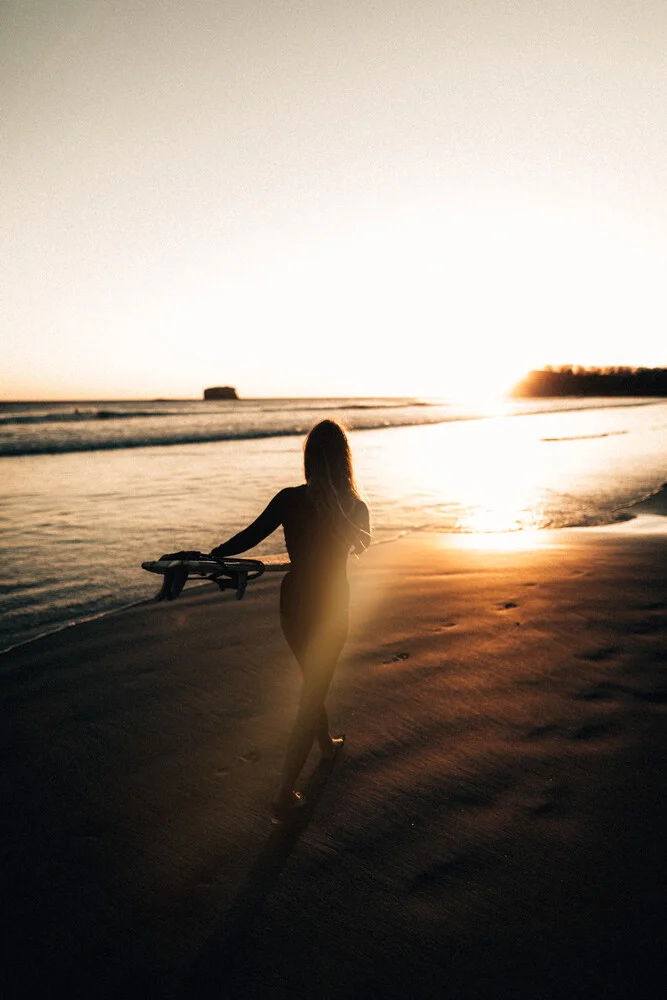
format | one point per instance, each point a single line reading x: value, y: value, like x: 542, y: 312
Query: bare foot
x: 330, y: 750
x: 285, y: 806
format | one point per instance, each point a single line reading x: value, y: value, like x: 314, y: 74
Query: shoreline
x: 642, y: 523
x: 495, y: 825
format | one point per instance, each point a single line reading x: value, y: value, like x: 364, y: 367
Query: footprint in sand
x: 542, y: 732
x: 542, y: 807
x: 396, y: 658
x: 601, y: 692
x: 602, y: 653
x: 205, y: 883
x: 89, y: 830
x: 544, y: 800
x: 606, y: 691
x: 657, y: 695
x: 591, y: 731
x: 646, y: 625
x: 446, y: 870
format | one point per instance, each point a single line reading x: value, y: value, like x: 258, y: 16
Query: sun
x: 485, y: 386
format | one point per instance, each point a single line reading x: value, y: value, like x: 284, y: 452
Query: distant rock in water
x: 221, y: 392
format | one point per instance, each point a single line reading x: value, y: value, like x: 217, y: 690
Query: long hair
x: 329, y: 475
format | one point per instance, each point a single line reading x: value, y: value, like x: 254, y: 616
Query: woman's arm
x: 267, y: 522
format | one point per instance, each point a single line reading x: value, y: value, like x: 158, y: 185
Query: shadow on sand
x: 210, y: 972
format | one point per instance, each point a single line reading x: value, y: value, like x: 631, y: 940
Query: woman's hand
x: 190, y: 554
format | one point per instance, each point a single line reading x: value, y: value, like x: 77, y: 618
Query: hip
x: 315, y: 599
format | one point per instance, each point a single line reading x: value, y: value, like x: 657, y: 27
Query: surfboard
x: 228, y: 574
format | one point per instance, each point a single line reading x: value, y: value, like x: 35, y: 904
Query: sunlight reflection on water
x: 75, y: 527
x: 506, y: 474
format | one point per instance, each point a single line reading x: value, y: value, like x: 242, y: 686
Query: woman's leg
x: 317, y: 660
x: 306, y: 727
x: 315, y: 627
x: 322, y: 734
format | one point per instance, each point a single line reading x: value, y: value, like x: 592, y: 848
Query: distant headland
x: 574, y: 381
x: 221, y: 392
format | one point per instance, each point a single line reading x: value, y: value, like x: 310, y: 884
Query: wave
x: 387, y: 406
x: 16, y: 449
x: 256, y: 419
x: 652, y: 503
x: 81, y: 416
x: 196, y: 407
x: 585, y: 437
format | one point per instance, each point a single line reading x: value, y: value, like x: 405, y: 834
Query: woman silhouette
x: 323, y: 520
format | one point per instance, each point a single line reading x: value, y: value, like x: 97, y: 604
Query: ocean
x: 91, y: 489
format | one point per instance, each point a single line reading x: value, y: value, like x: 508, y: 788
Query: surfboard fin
x: 236, y: 579
x: 173, y: 583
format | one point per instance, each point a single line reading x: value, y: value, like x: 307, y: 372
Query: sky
x: 365, y: 197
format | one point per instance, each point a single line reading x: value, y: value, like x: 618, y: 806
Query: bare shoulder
x: 290, y: 498
x: 361, y: 509
x: 291, y: 493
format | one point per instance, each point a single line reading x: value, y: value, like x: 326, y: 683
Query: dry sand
x: 495, y: 827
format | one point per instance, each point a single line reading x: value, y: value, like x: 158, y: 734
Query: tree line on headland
x: 575, y: 381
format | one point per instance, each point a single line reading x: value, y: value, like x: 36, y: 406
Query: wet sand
x: 495, y: 827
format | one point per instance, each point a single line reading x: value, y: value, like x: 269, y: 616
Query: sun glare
x: 495, y: 462
x: 484, y: 389
x: 500, y: 541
